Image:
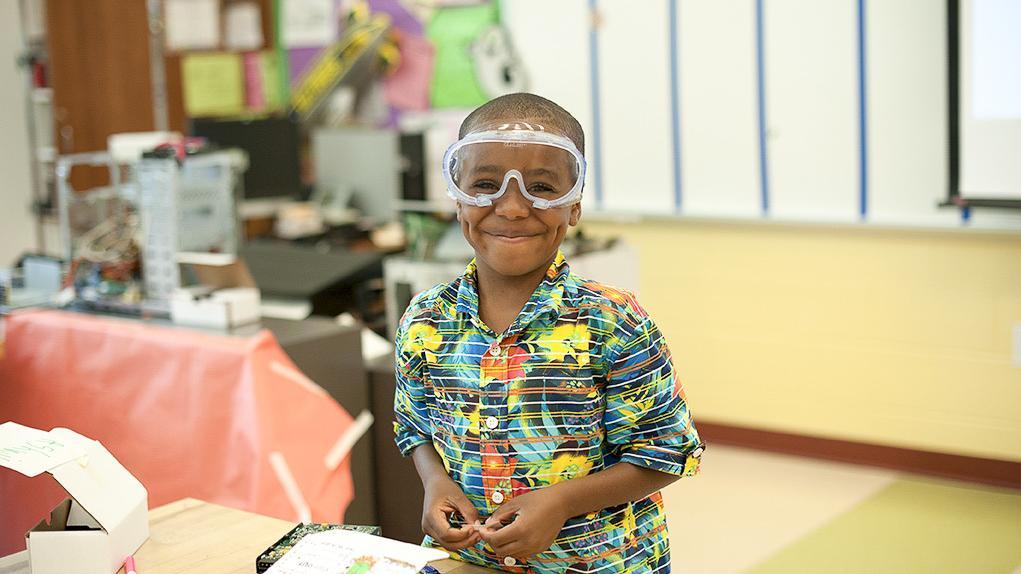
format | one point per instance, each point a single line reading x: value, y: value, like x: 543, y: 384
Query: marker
x: 129, y: 565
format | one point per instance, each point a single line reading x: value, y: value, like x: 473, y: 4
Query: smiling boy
x: 541, y: 409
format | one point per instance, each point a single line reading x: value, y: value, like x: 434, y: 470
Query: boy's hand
x: 526, y: 525
x: 442, y: 498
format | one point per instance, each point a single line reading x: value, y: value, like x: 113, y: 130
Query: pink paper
x: 189, y: 414
x: 255, y: 96
x: 408, y: 87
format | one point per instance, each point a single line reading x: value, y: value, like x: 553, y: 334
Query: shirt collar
x: 548, y: 297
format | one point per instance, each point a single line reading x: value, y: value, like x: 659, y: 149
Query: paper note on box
x: 212, y: 84
x: 346, y: 551
x: 32, y: 451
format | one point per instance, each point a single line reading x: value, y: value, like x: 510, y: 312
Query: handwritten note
x: 213, y: 84
x: 192, y: 24
x: 347, y: 552
x: 243, y: 27
x: 31, y: 451
x: 308, y: 23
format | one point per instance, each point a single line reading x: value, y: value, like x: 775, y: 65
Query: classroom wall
x: 899, y: 338
x: 790, y: 110
x: 856, y: 332
x: 16, y: 228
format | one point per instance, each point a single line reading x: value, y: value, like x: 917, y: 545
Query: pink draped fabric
x: 189, y: 414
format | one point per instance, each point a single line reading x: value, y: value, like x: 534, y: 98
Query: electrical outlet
x: 1017, y: 345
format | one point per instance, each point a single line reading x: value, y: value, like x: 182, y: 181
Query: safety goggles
x: 548, y: 168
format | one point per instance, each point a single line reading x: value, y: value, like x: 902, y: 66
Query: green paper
x: 269, y: 65
x: 213, y: 84
x: 452, y: 30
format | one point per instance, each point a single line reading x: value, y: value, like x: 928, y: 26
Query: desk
x: 328, y: 279
x: 195, y: 537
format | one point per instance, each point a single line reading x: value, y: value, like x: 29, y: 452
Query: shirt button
x: 498, y: 497
x: 492, y: 423
x: 495, y: 351
x: 510, y: 561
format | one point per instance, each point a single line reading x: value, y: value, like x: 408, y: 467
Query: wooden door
x: 99, y: 70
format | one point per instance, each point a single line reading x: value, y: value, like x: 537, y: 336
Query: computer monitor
x: 273, y: 146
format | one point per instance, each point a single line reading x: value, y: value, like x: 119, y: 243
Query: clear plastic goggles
x: 548, y: 169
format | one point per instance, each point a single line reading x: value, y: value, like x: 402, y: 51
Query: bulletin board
x: 798, y: 111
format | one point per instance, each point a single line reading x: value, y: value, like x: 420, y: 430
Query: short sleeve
x: 412, y: 426
x: 647, y: 419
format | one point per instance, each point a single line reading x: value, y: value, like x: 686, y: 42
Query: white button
x: 491, y: 422
x: 510, y: 561
x: 495, y: 351
x: 498, y: 497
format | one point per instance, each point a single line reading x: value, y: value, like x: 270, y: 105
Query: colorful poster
x: 452, y: 31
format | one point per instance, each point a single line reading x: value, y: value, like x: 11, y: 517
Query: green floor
x: 914, y: 525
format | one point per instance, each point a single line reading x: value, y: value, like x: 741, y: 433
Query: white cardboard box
x: 226, y: 295
x: 222, y: 309
x: 106, y: 517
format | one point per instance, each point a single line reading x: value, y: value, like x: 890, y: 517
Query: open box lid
x: 217, y: 270
x: 82, y: 466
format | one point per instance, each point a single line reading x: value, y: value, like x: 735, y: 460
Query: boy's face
x: 510, y: 236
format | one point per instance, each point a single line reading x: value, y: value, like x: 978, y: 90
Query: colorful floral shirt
x: 582, y: 380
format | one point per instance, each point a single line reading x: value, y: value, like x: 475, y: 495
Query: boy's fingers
x: 470, y: 540
x: 466, y: 509
x: 437, y: 525
x: 502, y: 536
x: 450, y: 537
x: 458, y: 534
x: 503, y: 514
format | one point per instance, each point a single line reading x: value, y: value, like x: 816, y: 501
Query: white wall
x: 16, y: 226
x: 692, y: 148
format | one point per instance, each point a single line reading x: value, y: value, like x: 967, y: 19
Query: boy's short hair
x: 527, y: 107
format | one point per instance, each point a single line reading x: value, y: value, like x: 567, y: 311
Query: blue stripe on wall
x: 863, y: 151
x: 597, y: 151
x: 761, y: 80
x: 675, y: 106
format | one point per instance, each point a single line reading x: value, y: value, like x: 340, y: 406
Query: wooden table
x: 191, y: 536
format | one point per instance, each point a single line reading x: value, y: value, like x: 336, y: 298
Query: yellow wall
x: 899, y: 338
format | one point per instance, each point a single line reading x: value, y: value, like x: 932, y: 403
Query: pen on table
x: 129, y: 565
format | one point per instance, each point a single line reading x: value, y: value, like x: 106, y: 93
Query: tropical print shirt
x: 582, y: 380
